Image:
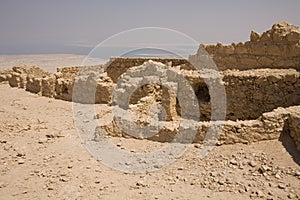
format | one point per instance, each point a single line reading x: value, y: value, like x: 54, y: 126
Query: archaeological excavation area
x: 243, y: 99
x: 260, y: 78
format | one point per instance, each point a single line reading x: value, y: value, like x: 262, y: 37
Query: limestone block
x: 48, y: 86
x: 266, y: 37
x: 254, y: 37
x: 211, y: 49
x: 285, y: 51
x: 34, y: 85
x: 227, y: 50
x: 104, y: 92
x: 257, y: 49
x: 168, y: 101
x: 5, y: 75
x: 294, y: 126
x: 14, y: 80
x: 273, y: 50
x: 241, y: 49
x: 249, y: 62
x: 265, y: 61
x: 23, y: 80
x: 64, y: 89
x: 295, y: 50
x: 3, y: 78
x: 277, y: 37
x: 293, y: 36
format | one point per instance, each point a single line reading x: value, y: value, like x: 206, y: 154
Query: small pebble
x: 281, y: 186
x: 21, y: 161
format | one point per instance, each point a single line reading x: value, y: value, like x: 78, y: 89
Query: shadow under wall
x: 289, y: 143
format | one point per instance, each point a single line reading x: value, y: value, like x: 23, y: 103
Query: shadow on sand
x: 289, y: 144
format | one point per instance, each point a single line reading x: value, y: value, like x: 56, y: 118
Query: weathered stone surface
x: 64, y: 89
x: 118, y: 66
x: 252, y: 93
x: 5, y: 75
x: 294, y: 125
x: 254, y: 37
x: 14, y: 80
x: 34, y: 84
x: 48, y: 86
x: 270, y: 126
x: 275, y: 48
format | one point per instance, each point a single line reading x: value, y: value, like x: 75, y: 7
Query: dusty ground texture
x: 42, y: 157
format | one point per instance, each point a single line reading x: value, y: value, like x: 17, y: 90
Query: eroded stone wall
x: 117, y: 66
x: 253, y: 92
x: 294, y: 126
x: 278, y: 47
x: 249, y: 93
x: 267, y: 127
x: 259, y: 76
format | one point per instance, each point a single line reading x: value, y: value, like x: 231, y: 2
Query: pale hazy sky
x: 74, y: 26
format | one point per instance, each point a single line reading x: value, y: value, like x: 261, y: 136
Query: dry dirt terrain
x: 42, y: 157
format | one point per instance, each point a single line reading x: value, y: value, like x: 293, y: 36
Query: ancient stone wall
x: 259, y: 76
x: 117, y: 66
x: 249, y: 93
x: 278, y: 47
x: 294, y: 125
x: 253, y: 92
x: 267, y: 127
x: 5, y: 75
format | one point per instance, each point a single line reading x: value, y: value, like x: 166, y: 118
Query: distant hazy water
x: 48, y: 62
x: 99, y: 55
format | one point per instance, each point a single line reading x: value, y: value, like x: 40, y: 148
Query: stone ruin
x: 261, y: 78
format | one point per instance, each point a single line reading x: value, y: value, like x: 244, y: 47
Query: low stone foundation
x: 269, y: 126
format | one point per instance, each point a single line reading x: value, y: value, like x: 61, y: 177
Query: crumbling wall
x: 294, y: 125
x: 117, y: 66
x: 28, y: 77
x: 278, y: 47
x: 5, y: 75
x: 267, y: 127
x: 93, y: 87
x: 64, y: 82
x: 253, y: 92
x: 249, y: 93
x: 259, y: 76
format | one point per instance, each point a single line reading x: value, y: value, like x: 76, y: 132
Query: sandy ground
x: 42, y: 157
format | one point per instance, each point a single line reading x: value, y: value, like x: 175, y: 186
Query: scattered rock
x: 281, y: 186
x: 140, y: 183
x: 21, y: 161
x: 252, y: 163
x: 260, y: 194
x: 233, y: 162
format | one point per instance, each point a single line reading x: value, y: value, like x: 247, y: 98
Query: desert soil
x: 42, y: 157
